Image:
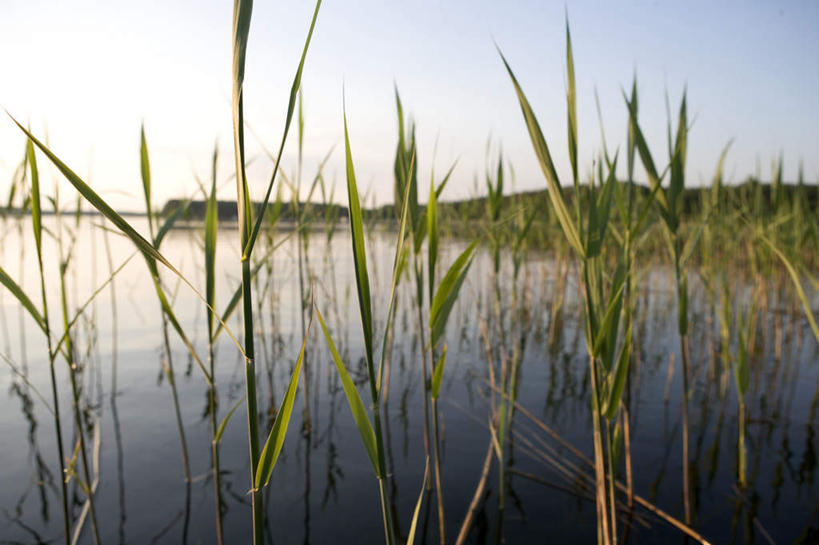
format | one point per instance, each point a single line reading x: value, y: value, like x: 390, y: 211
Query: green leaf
x: 399, y: 262
x: 599, y: 212
x: 648, y: 161
x: 145, y: 171
x: 21, y: 296
x: 741, y: 367
x: 169, y: 222
x: 447, y: 293
x: 678, y: 167
x: 797, y: 284
x: 438, y: 374
x: 275, y: 440
x: 79, y: 312
x: 223, y: 424
x: 211, y: 228
x: 604, y: 330
x: 359, y: 254
x: 442, y: 185
x: 36, y: 212
x: 547, y: 166
x: 242, y: 11
x: 294, y: 89
x: 619, y: 377
x: 237, y: 295
x: 151, y: 254
x: 362, y: 420
x: 571, y: 100
x: 432, y: 233
x: 406, y: 173
x: 417, y: 510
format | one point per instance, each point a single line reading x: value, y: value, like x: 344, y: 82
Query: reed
x: 607, y: 345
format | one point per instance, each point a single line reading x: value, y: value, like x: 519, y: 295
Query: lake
x: 323, y: 489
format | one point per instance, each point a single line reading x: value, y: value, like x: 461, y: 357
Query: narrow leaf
x: 362, y: 420
x: 223, y: 424
x: 546, y: 165
x: 21, y: 296
x: 275, y: 440
x: 417, y: 510
x: 438, y: 374
x: 447, y: 293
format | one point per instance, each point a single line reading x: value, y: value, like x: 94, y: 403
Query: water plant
x: 607, y: 346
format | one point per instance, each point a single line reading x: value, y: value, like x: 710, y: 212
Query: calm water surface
x: 323, y: 490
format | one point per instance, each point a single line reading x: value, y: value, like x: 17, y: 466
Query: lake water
x: 323, y: 489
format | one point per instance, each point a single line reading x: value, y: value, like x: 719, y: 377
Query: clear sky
x: 87, y: 73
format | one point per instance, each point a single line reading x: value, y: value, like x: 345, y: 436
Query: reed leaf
x: 438, y: 374
x: 447, y: 293
x: 399, y: 262
x: 797, y: 284
x: 211, y: 226
x: 546, y: 165
x: 24, y: 300
x: 150, y: 253
x: 414, y: 522
x: 169, y: 222
x: 359, y: 253
x: 223, y: 424
x: 571, y: 100
x: 362, y: 420
x: 275, y: 440
x: 145, y: 172
x: 234, y: 300
x: 432, y: 233
x: 294, y: 89
x: 618, y: 378
x: 36, y: 213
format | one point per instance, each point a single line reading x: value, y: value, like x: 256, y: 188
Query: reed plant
x: 587, y: 233
x: 261, y: 461
x: 371, y: 430
x: 670, y: 207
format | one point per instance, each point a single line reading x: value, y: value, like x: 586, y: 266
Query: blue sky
x: 89, y: 73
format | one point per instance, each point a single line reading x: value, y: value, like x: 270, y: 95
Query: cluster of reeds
x: 606, y: 226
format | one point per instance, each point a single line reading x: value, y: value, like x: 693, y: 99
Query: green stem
x: 250, y: 393
x: 56, y: 401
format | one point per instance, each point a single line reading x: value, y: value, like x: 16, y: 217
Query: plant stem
x: 250, y: 392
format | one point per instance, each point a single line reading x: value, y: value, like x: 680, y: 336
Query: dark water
x: 323, y: 489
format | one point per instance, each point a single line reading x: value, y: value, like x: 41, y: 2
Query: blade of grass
x: 21, y: 296
x: 275, y: 440
x: 546, y: 165
x: 447, y: 292
x: 97, y: 202
x: 438, y: 374
x: 223, y: 424
x: 362, y: 420
x: 290, y: 108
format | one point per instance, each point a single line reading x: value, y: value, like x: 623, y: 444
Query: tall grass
x: 608, y: 347
x: 606, y: 225
x: 261, y: 462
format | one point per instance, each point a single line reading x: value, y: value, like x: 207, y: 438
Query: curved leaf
x: 275, y: 440
x: 21, y: 296
x: 447, y: 293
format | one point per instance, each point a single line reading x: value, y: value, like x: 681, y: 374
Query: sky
x: 86, y: 74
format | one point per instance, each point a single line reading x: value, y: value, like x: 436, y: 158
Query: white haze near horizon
x: 87, y: 73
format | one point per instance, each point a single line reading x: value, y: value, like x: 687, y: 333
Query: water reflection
x: 526, y: 335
